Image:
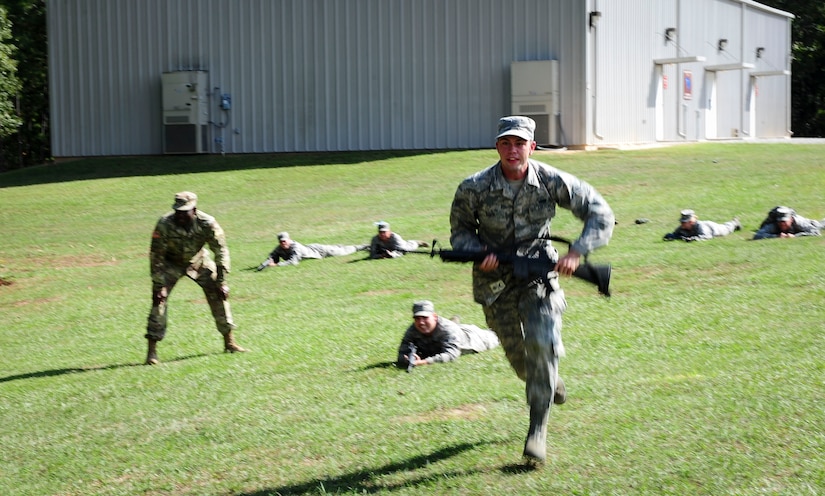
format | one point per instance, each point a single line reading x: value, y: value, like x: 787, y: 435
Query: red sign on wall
x: 664, y: 81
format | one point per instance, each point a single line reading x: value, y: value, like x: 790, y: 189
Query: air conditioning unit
x: 185, y: 112
x: 534, y: 92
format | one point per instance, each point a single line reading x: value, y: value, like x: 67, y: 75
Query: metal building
x: 138, y: 77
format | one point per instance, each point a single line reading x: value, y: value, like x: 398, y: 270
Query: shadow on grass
x: 151, y: 165
x: 380, y: 365
x: 55, y: 372
x: 369, y: 480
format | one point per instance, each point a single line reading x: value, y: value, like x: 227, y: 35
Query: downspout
x: 592, y: 26
x: 742, y: 17
x: 681, y: 120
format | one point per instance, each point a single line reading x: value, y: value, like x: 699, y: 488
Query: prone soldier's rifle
x: 411, y: 358
x: 527, y: 268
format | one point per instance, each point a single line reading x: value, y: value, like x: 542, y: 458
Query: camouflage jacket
x: 392, y: 248
x: 701, y: 230
x: 294, y: 254
x: 443, y: 345
x: 487, y: 213
x: 799, y: 227
x: 185, y: 249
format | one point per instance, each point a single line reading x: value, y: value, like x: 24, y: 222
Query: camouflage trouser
x: 721, y: 229
x: 325, y: 251
x: 529, y: 327
x: 205, y: 277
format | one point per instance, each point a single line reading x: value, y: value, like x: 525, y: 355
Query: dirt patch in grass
x: 468, y: 412
x: 5, y: 282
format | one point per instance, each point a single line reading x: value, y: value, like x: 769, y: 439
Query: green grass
x: 703, y: 374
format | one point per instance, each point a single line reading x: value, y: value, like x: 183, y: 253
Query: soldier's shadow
x: 77, y: 370
x: 369, y: 480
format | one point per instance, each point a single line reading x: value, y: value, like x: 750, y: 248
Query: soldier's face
x: 285, y: 244
x: 426, y: 324
x: 784, y: 225
x: 184, y: 218
x: 384, y: 235
x: 514, y: 152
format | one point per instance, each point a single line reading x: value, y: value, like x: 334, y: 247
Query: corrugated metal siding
x: 307, y: 75
x: 772, y: 93
x: 627, y: 88
x: 304, y: 75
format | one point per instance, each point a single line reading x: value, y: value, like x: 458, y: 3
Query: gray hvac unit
x: 185, y: 112
x: 534, y: 90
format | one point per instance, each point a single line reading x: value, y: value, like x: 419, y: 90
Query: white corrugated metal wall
x: 632, y: 97
x: 304, y: 75
x: 320, y: 75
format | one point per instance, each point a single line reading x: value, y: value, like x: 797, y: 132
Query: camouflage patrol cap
x: 185, y: 200
x: 383, y: 226
x: 516, y: 125
x: 423, y: 308
x: 687, y: 215
x: 283, y: 235
x: 783, y: 213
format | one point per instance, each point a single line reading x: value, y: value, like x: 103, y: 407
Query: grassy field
x: 702, y: 375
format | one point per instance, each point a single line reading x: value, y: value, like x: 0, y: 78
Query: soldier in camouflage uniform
x: 438, y: 340
x: 177, y: 250
x: 508, y: 208
x: 784, y: 222
x: 290, y: 252
x: 387, y: 244
x: 692, y: 229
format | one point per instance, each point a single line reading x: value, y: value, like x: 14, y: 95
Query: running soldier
x: 508, y: 208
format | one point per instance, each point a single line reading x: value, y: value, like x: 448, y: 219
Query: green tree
x: 30, y: 144
x: 9, y: 83
x: 808, y: 66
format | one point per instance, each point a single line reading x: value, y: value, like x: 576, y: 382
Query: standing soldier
x: 507, y: 208
x: 177, y: 250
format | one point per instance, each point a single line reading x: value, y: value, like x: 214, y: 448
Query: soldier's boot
x: 561, y: 392
x: 229, y: 344
x: 152, y: 353
x: 535, y: 447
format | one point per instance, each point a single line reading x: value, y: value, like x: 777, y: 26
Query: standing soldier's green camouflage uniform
x: 178, y: 249
x: 507, y: 208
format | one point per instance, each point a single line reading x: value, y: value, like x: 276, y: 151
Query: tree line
x: 24, y: 88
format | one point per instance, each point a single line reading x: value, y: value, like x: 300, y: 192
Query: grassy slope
x: 702, y: 375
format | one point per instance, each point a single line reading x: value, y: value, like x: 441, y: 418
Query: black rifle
x: 264, y: 264
x: 411, y: 358
x: 531, y: 268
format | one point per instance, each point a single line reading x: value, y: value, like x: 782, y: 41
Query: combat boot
x: 535, y: 447
x: 229, y: 344
x: 152, y: 354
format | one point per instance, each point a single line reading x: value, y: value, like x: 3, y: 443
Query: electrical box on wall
x: 534, y: 90
x: 185, y: 112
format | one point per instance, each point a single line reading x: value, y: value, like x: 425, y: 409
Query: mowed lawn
x: 702, y: 375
